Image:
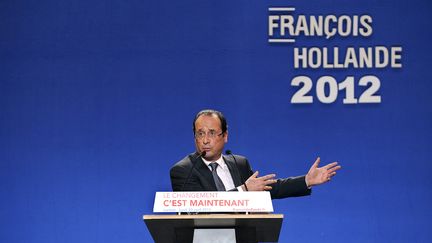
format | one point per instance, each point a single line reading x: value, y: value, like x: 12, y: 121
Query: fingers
x: 269, y: 182
x: 330, y: 165
x: 332, y: 174
x: 262, y: 178
x: 316, y: 163
x: 254, y: 175
x: 260, y: 183
x: 267, y: 177
x: 330, y: 170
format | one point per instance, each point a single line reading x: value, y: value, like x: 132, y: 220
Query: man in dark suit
x: 209, y: 170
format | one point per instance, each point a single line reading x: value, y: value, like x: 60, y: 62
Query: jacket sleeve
x: 290, y: 187
x: 287, y: 187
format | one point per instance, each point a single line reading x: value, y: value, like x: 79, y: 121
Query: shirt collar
x: 220, y: 161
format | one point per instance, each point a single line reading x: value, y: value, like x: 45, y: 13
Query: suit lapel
x: 205, y: 172
x: 233, y: 170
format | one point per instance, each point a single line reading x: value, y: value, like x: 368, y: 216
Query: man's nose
x: 205, y: 140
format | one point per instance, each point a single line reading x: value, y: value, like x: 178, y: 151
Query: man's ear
x: 226, y: 136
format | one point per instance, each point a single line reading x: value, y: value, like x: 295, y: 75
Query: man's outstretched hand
x: 319, y: 175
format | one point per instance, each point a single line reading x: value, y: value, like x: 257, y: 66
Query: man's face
x: 205, y: 127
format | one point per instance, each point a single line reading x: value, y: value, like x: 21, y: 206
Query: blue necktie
x: 219, y: 184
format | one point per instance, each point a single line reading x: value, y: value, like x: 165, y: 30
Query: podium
x: 248, y: 227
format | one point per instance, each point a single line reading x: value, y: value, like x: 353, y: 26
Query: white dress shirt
x: 223, y: 172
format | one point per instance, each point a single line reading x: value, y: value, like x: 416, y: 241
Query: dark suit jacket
x: 200, y: 177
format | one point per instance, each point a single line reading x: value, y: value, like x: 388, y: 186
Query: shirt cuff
x: 308, y: 187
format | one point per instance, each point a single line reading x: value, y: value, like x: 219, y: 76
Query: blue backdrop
x: 97, y: 100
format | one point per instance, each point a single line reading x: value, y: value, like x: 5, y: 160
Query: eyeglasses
x: 211, y: 134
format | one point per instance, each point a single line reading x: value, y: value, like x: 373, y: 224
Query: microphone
x: 228, y: 152
x: 194, y: 162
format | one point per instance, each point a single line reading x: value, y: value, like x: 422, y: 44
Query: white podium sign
x: 212, y: 202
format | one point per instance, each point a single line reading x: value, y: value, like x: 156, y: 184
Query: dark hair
x: 209, y: 112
